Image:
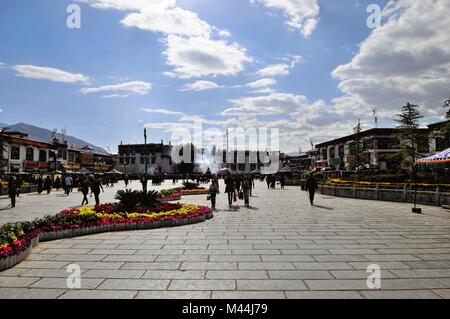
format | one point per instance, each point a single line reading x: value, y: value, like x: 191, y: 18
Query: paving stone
x: 236, y: 274
x: 155, y: 265
x: 322, y: 265
x: 299, y: 274
x: 360, y: 274
x: 73, y: 258
x: 444, y: 293
x: 265, y: 265
x: 402, y: 294
x: 208, y: 265
x: 248, y: 295
x: 232, y: 258
x: 99, y: 265
x: 323, y: 295
x: 42, y: 264
x: 173, y: 295
x: 422, y: 273
x: 271, y: 285
x: 16, y: 282
x: 134, y: 284
x: 27, y: 293
x: 281, y: 258
x: 202, y: 285
x: 113, y: 274
x: 99, y: 294
x: 49, y: 273
x: 130, y: 258
x: 174, y: 274
x: 61, y: 283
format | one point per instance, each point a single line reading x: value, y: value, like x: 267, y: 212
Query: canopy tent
x: 286, y: 169
x: 224, y: 171
x: 84, y: 170
x: 439, y: 160
x: 114, y: 171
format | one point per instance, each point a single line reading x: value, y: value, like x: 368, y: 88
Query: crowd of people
x: 237, y: 187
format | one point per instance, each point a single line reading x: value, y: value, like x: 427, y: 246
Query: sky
x: 309, y: 68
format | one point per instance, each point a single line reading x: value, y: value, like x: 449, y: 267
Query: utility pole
x: 145, y: 150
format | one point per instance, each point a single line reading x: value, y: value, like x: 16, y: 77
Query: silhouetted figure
x: 40, y: 184
x: 229, y: 189
x: 96, y: 186
x: 48, y: 184
x: 12, y: 190
x: 84, y: 187
x: 311, y: 187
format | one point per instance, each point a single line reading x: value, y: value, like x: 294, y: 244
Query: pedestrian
x: 229, y: 189
x: 144, y: 181
x: 268, y: 181
x: 48, y: 184
x: 84, y: 187
x: 58, y: 183
x: 69, y: 184
x: 40, y: 184
x: 246, y: 188
x: 96, y: 186
x: 282, y: 181
x: 273, y: 181
x: 311, y: 187
x: 213, y: 191
x: 126, y: 180
x: 12, y: 190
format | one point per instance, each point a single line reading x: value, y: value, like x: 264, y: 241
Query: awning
x: 442, y: 157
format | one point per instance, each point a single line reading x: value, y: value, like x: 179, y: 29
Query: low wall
x: 23, y: 190
x: 435, y: 198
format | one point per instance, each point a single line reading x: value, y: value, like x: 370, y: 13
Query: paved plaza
x: 279, y: 248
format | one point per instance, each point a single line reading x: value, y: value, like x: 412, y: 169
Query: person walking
x: 311, y: 187
x: 69, y: 184
x: 96, y: 186
x: 40, y: 184
x: 84, y: 187
x: 144, y: 181
x: 246, y: 188
x: 282, y: 181
x: 213, y: 191
x: 58, y: 183
x: 48, y: 184
x: 126, y: 180
x: 268, y: 181
x: 12, y: 190
x: 229, y: 189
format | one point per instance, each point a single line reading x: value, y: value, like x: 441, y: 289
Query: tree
x: 357, y: 149
x: 446, y: 128
x: 410, y: 138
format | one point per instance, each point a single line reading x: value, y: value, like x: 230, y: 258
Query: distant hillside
x: 44, y: 135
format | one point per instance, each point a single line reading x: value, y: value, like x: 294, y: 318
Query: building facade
x: 133, y: 158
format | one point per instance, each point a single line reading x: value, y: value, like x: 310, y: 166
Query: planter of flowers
x: 134, y: 211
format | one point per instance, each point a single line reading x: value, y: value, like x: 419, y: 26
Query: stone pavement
x: 280, y: 248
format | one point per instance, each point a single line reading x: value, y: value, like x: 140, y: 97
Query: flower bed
x: 16, y: 239
x: 169, y: 195
x: 186, y: 191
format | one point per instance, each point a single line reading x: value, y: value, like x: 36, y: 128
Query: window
x: 121, y: 161
x: 42, y: 156
x: 133, y: 160
x: 142, y: 160
x: 30, y: 154
x: 153, y: 160
x: 242, y: 167
x: 15, y: 152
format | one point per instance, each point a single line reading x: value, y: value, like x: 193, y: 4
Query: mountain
x: 44, y: 135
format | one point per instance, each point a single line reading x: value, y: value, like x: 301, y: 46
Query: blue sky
x: 160, y: 63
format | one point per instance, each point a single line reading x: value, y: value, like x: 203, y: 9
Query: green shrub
x: 128, y: 199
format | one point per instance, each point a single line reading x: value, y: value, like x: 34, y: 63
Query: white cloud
x: 113, y: 96
x: 302, y: 14
x: 405, y: 60
x: 133, y: 87
x: 280, y: 69
x: 191, y: 49
x: 2, y: 65
x: 162, y: 111
x: 262, y: 83
x: 200, y: 56
x: 47, y: 73
x: 200, y: 86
